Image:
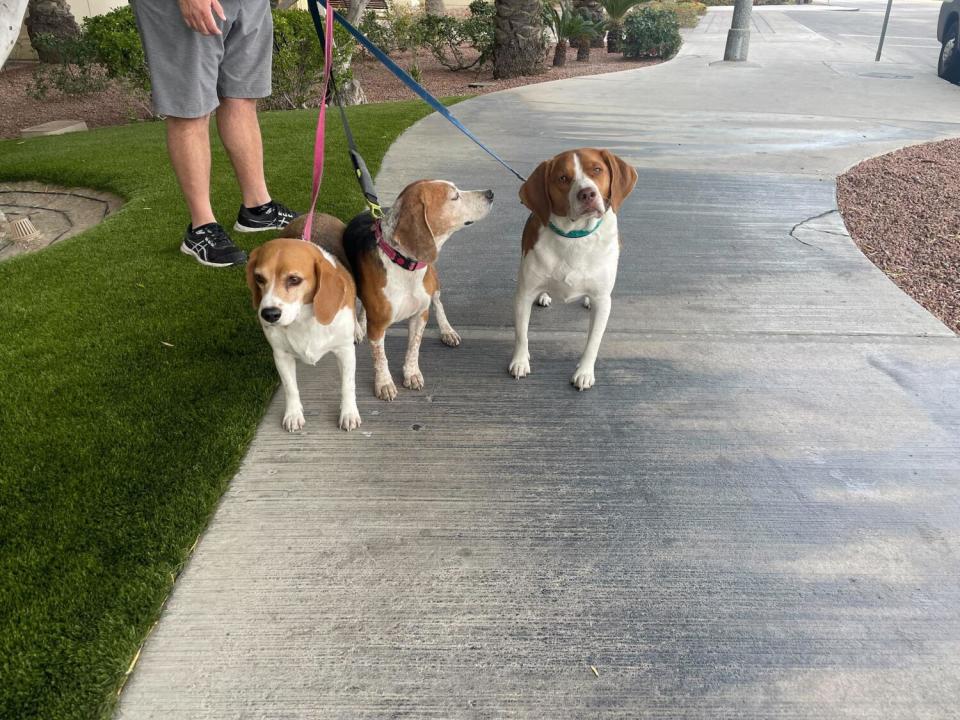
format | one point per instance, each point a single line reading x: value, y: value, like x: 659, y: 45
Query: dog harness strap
x: 576, y: 233
x: 392, y: 253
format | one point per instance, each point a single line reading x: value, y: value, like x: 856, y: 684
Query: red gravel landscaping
x: 115, y: 107
x: 903, y: 211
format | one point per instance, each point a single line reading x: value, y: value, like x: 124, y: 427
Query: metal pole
x: 738, y: 39
x: 883, y: 30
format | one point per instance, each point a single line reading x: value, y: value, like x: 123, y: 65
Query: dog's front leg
x: 448, y: 335
x: 347, y: 362
x: 522, y: 306
x: 412, y: 377
x: 383, y: 386
x: 599, y: 313
x: 287, y: 369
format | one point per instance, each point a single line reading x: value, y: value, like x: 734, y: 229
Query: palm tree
x: 592, y: 10
x: 517, y: 38
x: 568, y: 24
x: 50, y: 17
x: 616, y: 11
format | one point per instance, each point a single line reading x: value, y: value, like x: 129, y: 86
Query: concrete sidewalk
x: 754, y: 514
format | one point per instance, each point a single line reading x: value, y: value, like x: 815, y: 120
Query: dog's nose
x: 270, y: 314
x: 488, y: 194
x: 587, y: 195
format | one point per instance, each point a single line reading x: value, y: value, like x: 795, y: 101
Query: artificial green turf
x: 131, y: 382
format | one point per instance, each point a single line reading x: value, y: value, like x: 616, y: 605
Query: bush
x: 397, y: 29
x: 298, y: 60
x: 75, y: 73
x: 688, y: 13
x: 651, y: 32
x: 115, y: 44
x: 446, y: 36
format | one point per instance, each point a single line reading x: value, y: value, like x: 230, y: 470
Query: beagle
x: 571, y: 245
x: 305, y: 298
x: 393, y: 265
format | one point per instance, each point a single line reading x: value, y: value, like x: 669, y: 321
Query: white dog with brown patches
x: 305, y: 298
x: 571, y: 246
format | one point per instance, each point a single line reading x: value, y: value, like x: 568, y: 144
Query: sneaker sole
x: 246, y: 229
x: 187, y: 251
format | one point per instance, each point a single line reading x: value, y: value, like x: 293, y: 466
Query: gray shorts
x: 190, y: 72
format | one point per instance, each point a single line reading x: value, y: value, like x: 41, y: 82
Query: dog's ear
x: 255, y: 292
x: 412, y: 231
x: 623, y: 178
x: 535, y: 192
x: 331, y: 290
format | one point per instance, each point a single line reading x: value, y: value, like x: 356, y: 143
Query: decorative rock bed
x: 57, y: 212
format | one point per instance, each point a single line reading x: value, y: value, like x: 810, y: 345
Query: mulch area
x: 903, y: 211
x: 114, y: 106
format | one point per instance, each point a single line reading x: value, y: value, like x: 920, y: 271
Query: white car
x: 948, y: 33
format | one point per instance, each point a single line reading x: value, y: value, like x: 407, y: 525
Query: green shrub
x: 651, y: 32
x: 75, y: 73
x: 298, y: 60
x: 115, y: 44
x: 688, y: 13
x: 447, y: 36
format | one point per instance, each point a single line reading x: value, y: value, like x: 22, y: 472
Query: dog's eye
x: 597, y: 170
x: 294, y: 280
x: 259, y: 279
x: 564, y: 178
x: 456, y: 197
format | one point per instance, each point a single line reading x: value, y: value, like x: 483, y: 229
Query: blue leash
x: 405, y: 78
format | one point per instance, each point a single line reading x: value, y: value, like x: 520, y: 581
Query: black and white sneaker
x: 211, y: 246
x: 269, y: 216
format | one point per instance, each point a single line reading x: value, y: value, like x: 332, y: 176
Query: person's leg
x: 188, y: 142
x: 240, y: 131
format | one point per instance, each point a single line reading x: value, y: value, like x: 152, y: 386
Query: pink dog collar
x: 396, y: 256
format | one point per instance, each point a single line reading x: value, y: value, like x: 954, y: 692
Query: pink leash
x: 318, y: 142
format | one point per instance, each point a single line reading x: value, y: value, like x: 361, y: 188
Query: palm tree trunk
x: 518, y: 39
x: 613, y: 38
x: 583, y: 49
x: 10, y: 31
x: 435, y: 7
x: 560, y: 54
x: 50, y: 17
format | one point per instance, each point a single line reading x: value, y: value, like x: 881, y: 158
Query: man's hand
x: 198, y: 15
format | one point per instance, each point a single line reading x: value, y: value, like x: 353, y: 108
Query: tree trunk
x: 583, y: 49
x: 518, y: 39
x: 50, y: 17
x: 10, y: 29
x: 435, y: 7
x: 614, y: 34
x: 560, y: 54
x: 357, y: 8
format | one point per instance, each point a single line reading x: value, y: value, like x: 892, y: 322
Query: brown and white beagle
x: 305, y: 298
x: 571, y: 245
x: 392, y: 261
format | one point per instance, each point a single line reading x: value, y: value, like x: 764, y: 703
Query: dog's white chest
x: 405, y: 291
x: 570, y: 268
x: 308, y: 339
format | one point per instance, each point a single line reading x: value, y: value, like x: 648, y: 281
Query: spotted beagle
x: 571, y: 245
x: 305, y: 297
x: 392, y: 261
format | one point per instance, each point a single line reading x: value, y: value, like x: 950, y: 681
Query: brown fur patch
x: 373, y: 279
x: 531, y: 233
x: 431, y: 281
x: 327, y: 232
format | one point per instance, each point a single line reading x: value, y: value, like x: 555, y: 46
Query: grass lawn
x: 131, y: 381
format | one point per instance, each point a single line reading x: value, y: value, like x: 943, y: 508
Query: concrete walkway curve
x: 756, y: 512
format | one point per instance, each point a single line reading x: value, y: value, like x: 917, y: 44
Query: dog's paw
x: 349, y: 418
x: 585, y: 302
x: 544, y: 300
x: 520, y: 367
x: 386, y: 391
x: 413, y: 381
x: 583, y: 379
x: 293, y: 420
x: 451, y: 339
